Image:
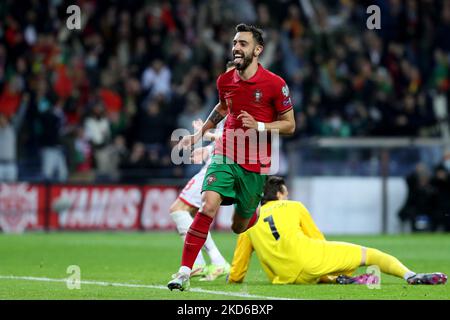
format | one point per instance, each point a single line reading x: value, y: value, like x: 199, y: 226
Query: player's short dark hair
x: 273, y: 185
x: 256, y: 32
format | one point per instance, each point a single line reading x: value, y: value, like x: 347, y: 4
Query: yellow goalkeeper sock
x: 387, y: 263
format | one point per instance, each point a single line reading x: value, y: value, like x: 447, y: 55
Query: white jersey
x: 218, y: 132
x: 192, y: 191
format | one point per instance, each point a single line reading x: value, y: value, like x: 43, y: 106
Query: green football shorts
x: 235, y: 184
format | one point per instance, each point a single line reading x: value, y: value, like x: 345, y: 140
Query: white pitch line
x: 130, y: 285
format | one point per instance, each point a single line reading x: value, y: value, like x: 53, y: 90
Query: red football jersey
x: 264, y: 96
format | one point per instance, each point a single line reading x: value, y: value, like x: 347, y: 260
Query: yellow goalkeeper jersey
x: 276, y: 238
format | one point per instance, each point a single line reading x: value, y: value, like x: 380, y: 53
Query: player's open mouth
x: 238, y: 58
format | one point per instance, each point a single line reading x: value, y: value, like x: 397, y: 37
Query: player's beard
x: 244, y: 62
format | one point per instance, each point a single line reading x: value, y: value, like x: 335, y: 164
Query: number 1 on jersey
x: 274, y: 230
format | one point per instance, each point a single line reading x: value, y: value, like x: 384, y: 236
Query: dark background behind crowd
x: 100, y: 103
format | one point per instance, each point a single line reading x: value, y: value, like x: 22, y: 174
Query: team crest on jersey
x: 285, y: 90
x: 258, y: 95
x: 211, y: 179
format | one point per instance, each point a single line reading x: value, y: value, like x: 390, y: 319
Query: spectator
x: 11, y: 96
x: 82, y: 156
x: 443, y: 30
x: 151, y: 126
x: 418, y: 208
x: 97, y: 129
x: 110, y: 159
x: 52, y: 122
x: 441, y: 184
x: 408, y: 121
x: 134, y: 165
x: 156, y: 79
x: 8, y: 142
x: 192, y: 111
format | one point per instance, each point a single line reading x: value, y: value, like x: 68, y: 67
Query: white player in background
x: 187, y: 204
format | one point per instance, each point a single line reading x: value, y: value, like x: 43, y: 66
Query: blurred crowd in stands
x: 427, y: 206
x: 100, y: 103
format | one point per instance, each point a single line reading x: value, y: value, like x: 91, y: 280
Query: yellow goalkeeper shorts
x: 321, y: 258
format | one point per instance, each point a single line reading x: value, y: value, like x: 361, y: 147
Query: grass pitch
x: 138, y: 266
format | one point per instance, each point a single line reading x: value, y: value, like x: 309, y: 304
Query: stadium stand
x: 104, y: 100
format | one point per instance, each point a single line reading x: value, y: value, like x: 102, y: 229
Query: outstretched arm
x: 202, y: 154
x: 217, y: 114
x: 308, y: 225
x: 210, y: 135
x: 241, y: 259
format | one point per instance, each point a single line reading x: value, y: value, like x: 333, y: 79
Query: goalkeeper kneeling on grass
x: 292, y: 249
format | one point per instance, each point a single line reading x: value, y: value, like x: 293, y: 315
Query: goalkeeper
x: 292, y: 249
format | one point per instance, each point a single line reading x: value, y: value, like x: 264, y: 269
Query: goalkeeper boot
x: 215, y: 271
x: 180, y: 281
x: 199, y: 270
x: 428, y: 278
x: 343, y: 279
x: 365, y: 278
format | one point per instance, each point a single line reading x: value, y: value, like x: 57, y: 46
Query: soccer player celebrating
x: 292, y: 249
x: 254, y: 100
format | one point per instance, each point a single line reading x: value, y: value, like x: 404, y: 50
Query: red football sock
x: 195, y: 238
x: 253, y: 219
